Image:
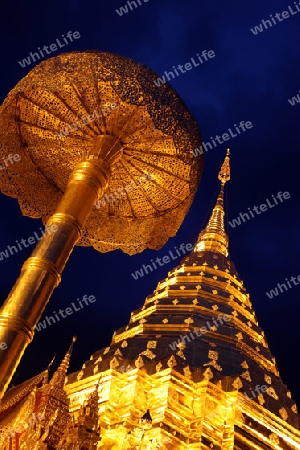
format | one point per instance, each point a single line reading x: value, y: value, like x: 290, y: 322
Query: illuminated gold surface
x: 41, y: 272
x: 192, y: 392
x: 138, y: 393
x: 213, y: 237
x: 150, y: 132
x: 150, y: 127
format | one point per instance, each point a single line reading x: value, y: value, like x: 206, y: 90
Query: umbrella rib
x: 23, y: 122
x: 126, y: 123
x: 61, y: 119
x: 161, y: 186
x: 130, y: 204
x: 116, y: 119
x: 85, y: 107
x: 49, y: 180
x: 145, y: 139
x: 102, y: 115
x: 119, y: 134
x: 43, y: 108
x: 31, y: 157
x: 149, y: 152
x: 144, y: 127
x: 99, y: 101
x: 21, y: 94
x: 161, y: 169
x: 119, y: 131
x: 68, y: 107
x: 144, y: 193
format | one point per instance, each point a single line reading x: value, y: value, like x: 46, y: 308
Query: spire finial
x: 59, y: 376
x: 214, y: 238
x: 51, y: 362
x: 224, y: 174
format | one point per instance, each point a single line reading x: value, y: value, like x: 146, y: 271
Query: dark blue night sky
x: 251, y: 78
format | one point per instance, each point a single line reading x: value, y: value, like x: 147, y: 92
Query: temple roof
x: 17, y: 394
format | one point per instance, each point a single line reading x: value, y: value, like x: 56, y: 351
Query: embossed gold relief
x: 148, y: 133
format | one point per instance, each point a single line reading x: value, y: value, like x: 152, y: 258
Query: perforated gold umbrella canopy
x: 52, y: 118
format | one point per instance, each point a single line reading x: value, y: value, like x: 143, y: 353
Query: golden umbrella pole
x: 41, y: 273
x: 101, y: 118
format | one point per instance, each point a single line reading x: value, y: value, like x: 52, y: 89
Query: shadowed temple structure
x: 191, y: 370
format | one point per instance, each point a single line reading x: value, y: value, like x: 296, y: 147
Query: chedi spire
x: 59, y: 376
x: 213, y: 237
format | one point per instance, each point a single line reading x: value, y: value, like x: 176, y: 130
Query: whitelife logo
x: 258, y: 388
x: 292, y: 101
x: 3, y: 346
x: 85, y: 120
x: 31, y: 240
x: 124, y: 9
x: 203, y: 330
x: 162, y: 261
x: 53, y: 48
x: 68, y: 311
x: 188, y: 66
x: 268, y: 23
x: 244, y: 126
x: 11, y: 159
x: 259, y: 209
x: 274, y: 292
x: 108, y: 198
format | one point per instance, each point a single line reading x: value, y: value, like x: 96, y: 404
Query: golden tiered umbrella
x: 106, y: 157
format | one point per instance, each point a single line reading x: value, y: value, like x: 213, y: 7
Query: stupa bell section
x: 194, y: 360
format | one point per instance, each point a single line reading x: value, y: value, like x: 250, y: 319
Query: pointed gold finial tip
x: 224, y: 174
x: 51, y: 362
x: 214, y: 238
x: 74, y: 339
